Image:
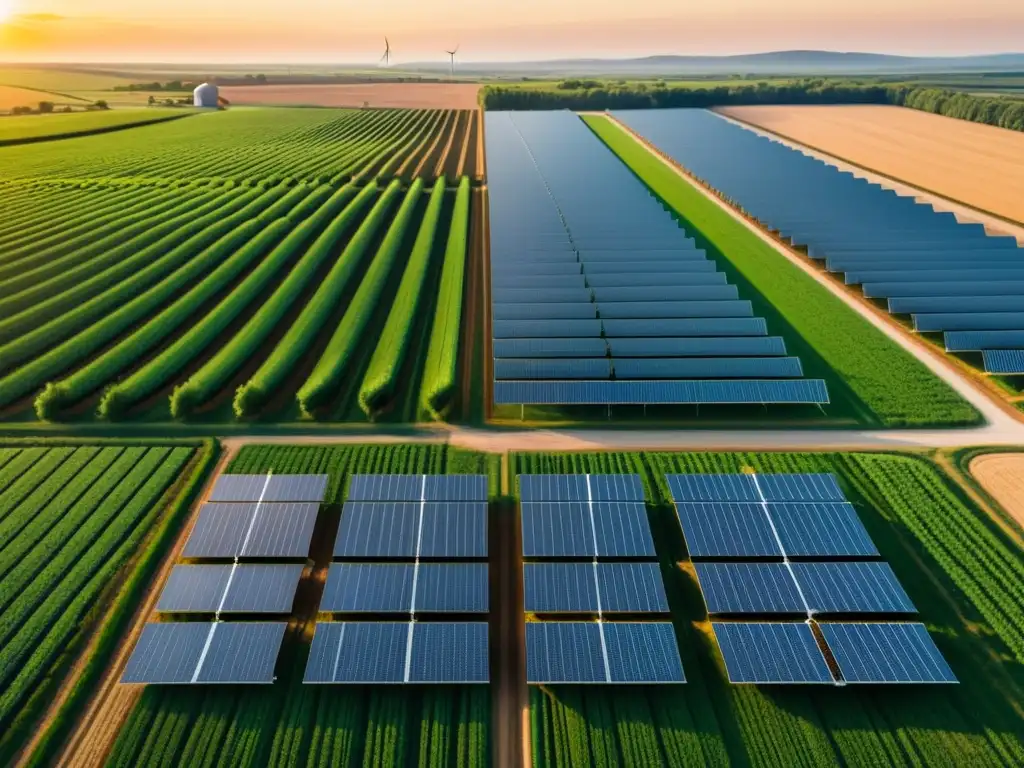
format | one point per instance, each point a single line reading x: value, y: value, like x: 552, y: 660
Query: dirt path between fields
x: 995, y: 412
x: 99, y: 726
x: 1002, y: 477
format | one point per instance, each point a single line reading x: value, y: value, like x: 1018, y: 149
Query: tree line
x: 584, y: 95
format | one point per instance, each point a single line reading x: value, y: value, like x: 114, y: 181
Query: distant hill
x: 774, y: 63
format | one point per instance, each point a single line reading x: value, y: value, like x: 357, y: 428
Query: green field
x: 36, y: 128
x: 152, y: 282
x: 80, y: 528
x: 894, y: 386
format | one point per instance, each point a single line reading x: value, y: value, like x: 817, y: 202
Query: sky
x: 345, y: 31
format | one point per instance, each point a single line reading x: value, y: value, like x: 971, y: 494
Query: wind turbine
x: 386, y: 58
x: 452, y: 54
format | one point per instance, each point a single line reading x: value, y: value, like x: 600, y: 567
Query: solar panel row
x: 895, y: 246
x: 578, y: 529
x: 203, y: 652
x: 594, y: 588
x: 580, y: 488
x: 418, y: 488
x: 407, y: 529
x: 602, y: 652
x: 269, y: 488
x: 230, y: 589
x: 406, y: 588
x: 582, y: 256
x: 254, y: 530
x: 408, y: 652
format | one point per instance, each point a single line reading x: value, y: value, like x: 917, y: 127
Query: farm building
x: 206, y: 96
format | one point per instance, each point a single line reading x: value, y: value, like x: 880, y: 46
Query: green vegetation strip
x: 439, y: 382
x: 897, y: 387
x: 31, y: 129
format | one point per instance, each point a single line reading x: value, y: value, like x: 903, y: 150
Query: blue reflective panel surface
x: 564, y: 652
x: 449, y: 653
x: 886, y: 653
x: 358, y: 652
x: 748, y: 588
x: 852, y: 588
x: 643, y: 653
x: 771, y: 653
x: 828, y: 529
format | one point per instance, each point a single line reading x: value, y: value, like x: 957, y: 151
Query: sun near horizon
x: 6, y: 10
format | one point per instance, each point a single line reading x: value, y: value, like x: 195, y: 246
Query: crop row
x: 310, y: 145
x: 959, y: 570
x: 285, y: 285
x: 72, y: 520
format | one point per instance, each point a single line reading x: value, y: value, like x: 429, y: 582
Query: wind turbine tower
x: 452, y: 55
x: 386, y: 58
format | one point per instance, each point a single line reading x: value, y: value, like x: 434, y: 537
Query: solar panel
x: 727, y: 529
x: 799, y: 487
x: 378, y: 529
x: 631, y: 588
x: 545, y: 311
x: 270, y: 488
x: 555, y: 348
x: 230, y: 589
x: 593, y: 588
x: 643, y: 653
x: 851, y: 588
x: 713, y: 367
x: 666, y: 293
x: 449, y: 653
x: 418, y: 488
x: 886, y: 653
x: 675, y: 309
x: 564, y: 652
x: 559, y: 588
x: 771, y: 653
x: 969, y: 321
x: 975, y: 341
x: 166, y: 653
x: 252, y: 530
x: 803, y: 392
x: 204, y: 652
x: 582, y: 529
x: 532, y: 329
x: 653, y: 328
x: 358, y: 652
x: 243, y: 652
x: 821, y: 530
x: 368, y: 588
x: 748, y: 588
x: 712, y: 488
x: 545, y: 368
x: 454, y: 529
x: 452, y: 588
x: 760, y: 346
x: 580, y: 488
x: 1004, y: 361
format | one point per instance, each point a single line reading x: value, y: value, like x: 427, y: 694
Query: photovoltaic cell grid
x: 269, y: 488
x: 822, y: 588
x: 407, y: 652
x: 771, y: 653
x: 893, y: 245
x: 392, y: 529
x: 403, y: 588
x: 249, y: 529
x: 580, y: 488
x: 606, y: 652
x: 202, y: 652
x: 230, y: 589
x: 581, y: 256
x: 886, y: 653
x: 418, y: 488
x: 594, y: 588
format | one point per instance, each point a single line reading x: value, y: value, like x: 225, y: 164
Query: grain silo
x: 206, y: 96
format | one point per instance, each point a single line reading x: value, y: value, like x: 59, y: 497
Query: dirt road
x: 980, y: 165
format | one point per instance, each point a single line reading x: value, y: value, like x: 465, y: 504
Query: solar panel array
x: 742, y: 531
x: 950, y: 276
x: 599, y: 298
x: 248, y: 517
x: 391, y: 528
x: 572, y: 523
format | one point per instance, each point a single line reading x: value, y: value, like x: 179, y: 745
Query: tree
x: 45, y: 107
x: 261, y: 79
x: 101, y: 104
x: 152, y: 100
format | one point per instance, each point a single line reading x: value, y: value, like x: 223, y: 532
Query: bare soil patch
x: 407, y: 95
x: 979, y: 165
x: 1002, y: 476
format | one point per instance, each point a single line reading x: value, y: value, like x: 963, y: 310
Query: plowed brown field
x: 408, y: 95
x: 1002, y: 475
x: 975, y: 164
